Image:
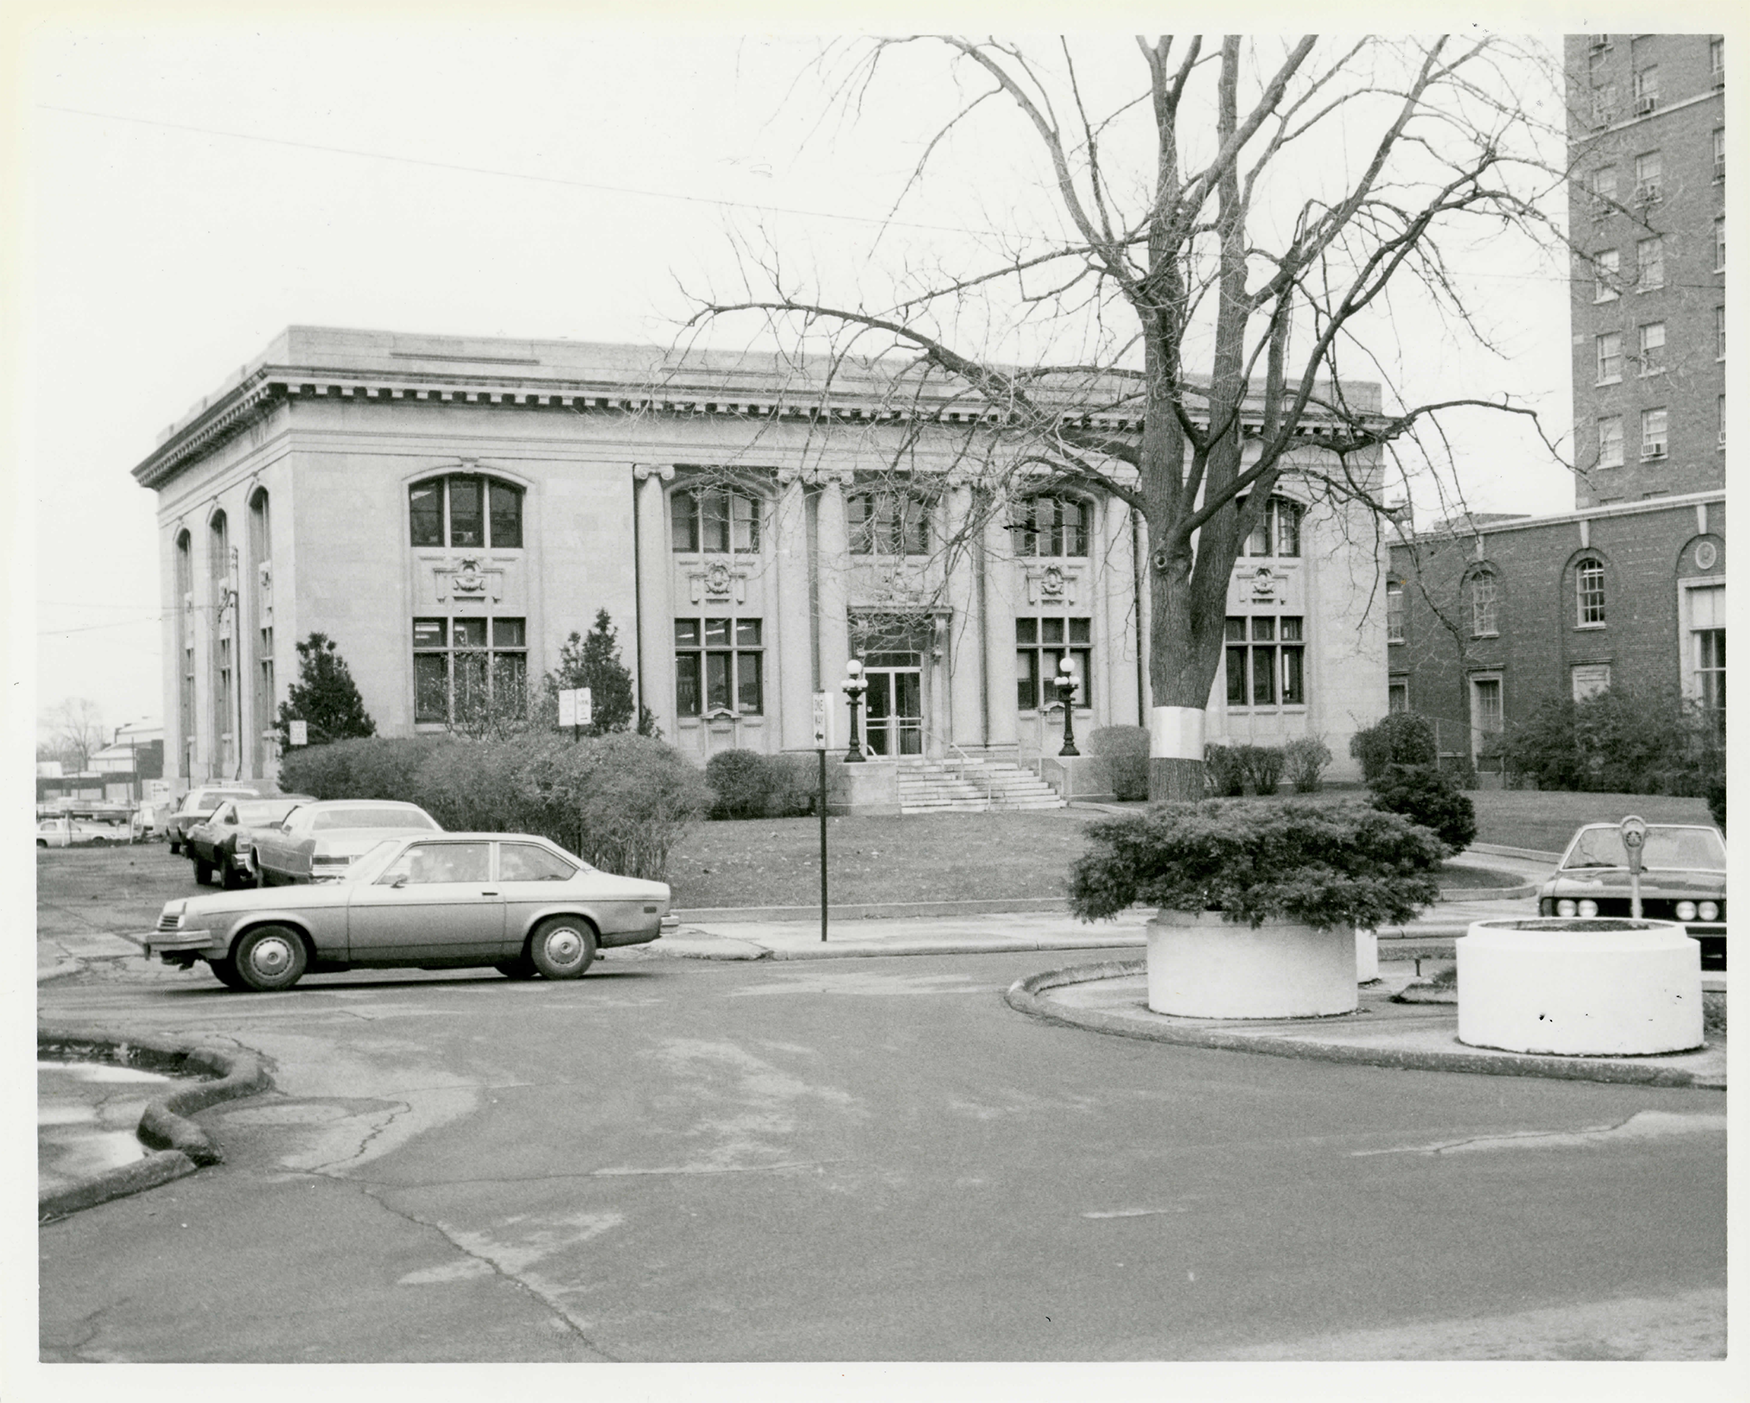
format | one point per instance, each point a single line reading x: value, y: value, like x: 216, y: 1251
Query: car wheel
x: 203, y: 873
x: 562, y: 947
x: 226, y: 973
x: 175, y: 848
x: 520, y: 968
x: 42, y: 842
x: 229, y: 877
x: 269, y: 958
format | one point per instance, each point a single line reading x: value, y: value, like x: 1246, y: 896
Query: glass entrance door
x: 894, y: 715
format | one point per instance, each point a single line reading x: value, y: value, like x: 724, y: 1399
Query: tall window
x: 1485, y: 604
x: 467, y: 670
x: 1606, y: 275
x: 1719, y: 153
x: 1646, y: 90
x: 1716, y: 59
x: 1652, y: 348
x: 1603, y: 191
x: 1040, y: 647
x: 1278, y: 530
x: 1722, y: 417
x: 259, y: 587
x: 1486, y: 717
x: 1649, y: 264
x: 224, y: 613
x: 1653, y: 434
x: 1266, y: 661
x: 1394, y: 611
x: 1707, y: 623
x: 1397, y: 694
x: 464, y: 511
x: 1609, y: 357
x: 1720, y: 244
x: 1649, y: 178
x: 1610, y: 441
x: 1719, y: 333
x: 719, y: 666
x: 719, y: 520
x: 1589, y: 592
x: 1051, y: 525
x: 185, y: 648
x: 888, y: 522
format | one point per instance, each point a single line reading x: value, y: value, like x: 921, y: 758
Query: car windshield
x: 365, y: 865
x: 1682, y: 849
x: 330, y: 819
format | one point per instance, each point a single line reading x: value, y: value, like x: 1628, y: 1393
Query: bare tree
x: 1231, y: 227
x: 76, y: 733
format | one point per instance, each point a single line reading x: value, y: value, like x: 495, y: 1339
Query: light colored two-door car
x: 196, y: 805
x: 220, y: 844
x: 513, y: 901
x: 66, y: 833
x: 1683, y: 879
x: 316, y: 842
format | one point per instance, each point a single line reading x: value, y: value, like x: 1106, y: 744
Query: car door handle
x: 488, y: 893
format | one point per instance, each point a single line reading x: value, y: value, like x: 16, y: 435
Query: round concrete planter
x: 1579, y: 987
x: 1200, y: 966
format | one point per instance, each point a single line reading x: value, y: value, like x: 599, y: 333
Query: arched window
x: 1484, y: 593
x: 1051, y: 525
x: 717, y: 519
x: 466, y: 511
x: 888, y: 522
x: 1589, y: 592
x: 224, y: 615
x: 1277, y: 531
x: 258, y: 587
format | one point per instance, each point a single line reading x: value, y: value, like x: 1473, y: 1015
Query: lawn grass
x: 1544, y: 821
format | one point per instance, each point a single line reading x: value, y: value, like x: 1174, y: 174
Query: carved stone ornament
x: 1707, y: 555
x: 719, y: 583
x: 1263, y: 584
x: 1052, y: 584
x: 468, y: 578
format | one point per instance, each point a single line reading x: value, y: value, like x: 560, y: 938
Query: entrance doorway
x: 894, y: 704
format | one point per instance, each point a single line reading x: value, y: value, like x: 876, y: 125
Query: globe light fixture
x: 854, y: 687
x: 1066, y: 693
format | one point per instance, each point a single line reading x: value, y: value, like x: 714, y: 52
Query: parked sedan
x: 1683, y: 878
x: 221, y: 843
x: 433, y: 901
x: 196, y: 806
x: 316, y: 842
x: 65, y: 833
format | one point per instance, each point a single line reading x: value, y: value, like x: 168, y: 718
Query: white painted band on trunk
x: 1175, y: 733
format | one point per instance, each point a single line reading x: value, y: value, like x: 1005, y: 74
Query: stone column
x: 999, y: 635
x: 655, y: 587
x: 964, y: 669
x: 833, y: 563
x: 793, y: 640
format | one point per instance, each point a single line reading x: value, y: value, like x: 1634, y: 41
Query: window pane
x: 916, y: 527
x: 684, y: 507
x: 467, y: 526
x: 426, y: 512
x: 1027, y: 679
x: 1236, y: 676
x: 717, y: 681
x: 860, y: 518
x: 428, y: 633
x: 1287, y: 528
x: 749, y: 693
x: 507, y: 516
x: 747, y: 633
x: 1081, y: 631
x: 1291, y: 627
x: 1293, y: 685
x: 507, y: 633
x: 431, y: 687
x: 686, y: 633
x: 1051, y: 630
x: 1082, y: 519
x: 1026, y: 630
x: 509, y: 681
x: 716, y: 633
x: 746, y: 513
x: 686, y: 668
x: 1082, y: 661
x: 1236, y: 630
x: 714, y: 521
x: 470, y: 673
x: 1264, y: 630
x: 468, y: 633
x: 524, y: 862
x: 1263, y: 676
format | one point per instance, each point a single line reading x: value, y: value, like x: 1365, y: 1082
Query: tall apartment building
x: 1647, y: 153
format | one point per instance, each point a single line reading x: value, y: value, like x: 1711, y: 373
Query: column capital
x: 642, y: 471
x: 833, y: 477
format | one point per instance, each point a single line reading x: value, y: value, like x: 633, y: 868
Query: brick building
x: 1488, y: 616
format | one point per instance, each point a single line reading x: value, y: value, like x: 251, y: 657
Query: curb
x: 1024, y: 996
x: 182, y: 1146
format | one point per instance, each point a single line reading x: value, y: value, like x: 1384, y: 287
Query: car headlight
x: 1565, y: 907
x: 1686, y: 910
x: 1588, y: 907
x: 1708, y: 911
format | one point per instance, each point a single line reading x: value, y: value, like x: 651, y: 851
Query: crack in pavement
x: 1642, y: 1125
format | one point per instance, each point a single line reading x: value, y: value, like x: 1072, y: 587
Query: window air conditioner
x: 1645, y: 103
x: 1656, y: 450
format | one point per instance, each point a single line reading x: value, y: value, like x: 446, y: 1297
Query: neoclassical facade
x: 450, y: 509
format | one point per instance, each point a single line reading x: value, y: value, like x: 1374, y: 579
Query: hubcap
x: 564, y: 947
x: 271, y: 957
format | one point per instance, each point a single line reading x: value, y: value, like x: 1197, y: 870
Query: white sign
x: 822, y: 721
x: 574, y: 707
x: 300, y: 732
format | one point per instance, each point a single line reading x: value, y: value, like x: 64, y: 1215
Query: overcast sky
x: 194, y: 187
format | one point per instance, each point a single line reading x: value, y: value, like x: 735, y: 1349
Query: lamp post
x: 854, y: 687
x: 1066, y: 692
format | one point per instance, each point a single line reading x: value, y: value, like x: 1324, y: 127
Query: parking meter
x: 1634, y: 839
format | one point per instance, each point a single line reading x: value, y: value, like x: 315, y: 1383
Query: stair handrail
x: 983, y: 782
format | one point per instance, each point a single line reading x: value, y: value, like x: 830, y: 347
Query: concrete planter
x: 1579, y: 987
x: 1200, y: 966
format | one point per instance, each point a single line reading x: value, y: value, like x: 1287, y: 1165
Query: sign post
x: 822, y: 728
x: 574, y: 709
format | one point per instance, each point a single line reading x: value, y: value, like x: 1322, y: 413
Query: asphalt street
x: 869, y: 1159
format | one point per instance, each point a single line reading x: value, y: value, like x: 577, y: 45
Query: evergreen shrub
x: 742, y: 782
x: 1424, y: 795
x: 1223, y: 770
x: 1397, y: 738
x: 1125, y: 750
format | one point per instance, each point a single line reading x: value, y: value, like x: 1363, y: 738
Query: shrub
x: 795, y: 784
x: 1321, y: 865
x: 1306, y: 758
x: 1125, y: 749
x: 1618, y: 741
x: 741, y: 783
x: 1262, y: 766
x: 471, y: 786
x: 1223, y: 770
x: 1397, y: 738
x: 1716, y: 801
x: 378, y: 768
x: 1424, y: 795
